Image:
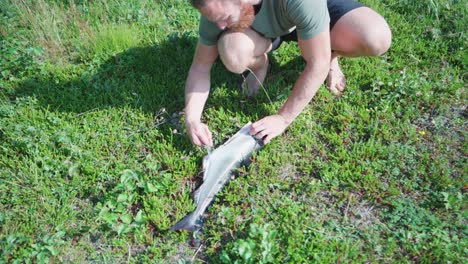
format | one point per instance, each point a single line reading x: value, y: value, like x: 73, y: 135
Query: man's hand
x: 268, y: 127
x: 199, y: 134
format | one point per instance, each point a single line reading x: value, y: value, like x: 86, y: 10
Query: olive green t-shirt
x: 277, y: 18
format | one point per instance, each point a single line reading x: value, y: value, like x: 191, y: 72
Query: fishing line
x: 209, y: 149
x: 261, y: 84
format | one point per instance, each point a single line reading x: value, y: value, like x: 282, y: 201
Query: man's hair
x: 198, y: 3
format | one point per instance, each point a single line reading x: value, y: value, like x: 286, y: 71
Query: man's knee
x: 235, y: 51
x: 361, y: 32
x: 379, y: 41
x: 234, y: 63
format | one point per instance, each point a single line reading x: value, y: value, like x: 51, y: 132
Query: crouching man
x: 243, y: 32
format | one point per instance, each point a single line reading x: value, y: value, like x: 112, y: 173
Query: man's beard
x: 246, y: 18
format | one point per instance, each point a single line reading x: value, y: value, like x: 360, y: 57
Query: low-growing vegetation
x: 95, y: 165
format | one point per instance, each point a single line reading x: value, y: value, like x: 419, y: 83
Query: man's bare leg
x: 360, y: 32
x: 254, y: 79
x: 240, y: 51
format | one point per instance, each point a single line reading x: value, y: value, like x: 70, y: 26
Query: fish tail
x: 191, y: 223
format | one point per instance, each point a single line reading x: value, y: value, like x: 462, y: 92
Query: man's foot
x: 251, y: 84
x: 336, y: 81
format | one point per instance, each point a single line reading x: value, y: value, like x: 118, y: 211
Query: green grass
x: 95, y: 165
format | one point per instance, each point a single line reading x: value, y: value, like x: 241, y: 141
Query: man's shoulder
x: 208, y: 31
x: 309, y: 16
x: 304, y: 9
x: 303, y: 5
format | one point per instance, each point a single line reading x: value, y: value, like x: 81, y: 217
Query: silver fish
x: 218, y: 167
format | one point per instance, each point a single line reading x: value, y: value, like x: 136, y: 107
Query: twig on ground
x: 85, y: 112
x: 196, y: 252
x: 345, y: 213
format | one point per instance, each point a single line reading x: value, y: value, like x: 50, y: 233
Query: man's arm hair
x: 317, y: 54
x: 197, y: 86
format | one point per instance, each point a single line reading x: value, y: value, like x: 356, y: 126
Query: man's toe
x: 341, y: 84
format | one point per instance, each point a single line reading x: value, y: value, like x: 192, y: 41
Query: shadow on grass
x: 148, y: 78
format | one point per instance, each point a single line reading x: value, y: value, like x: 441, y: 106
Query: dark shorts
x: 336, y: 9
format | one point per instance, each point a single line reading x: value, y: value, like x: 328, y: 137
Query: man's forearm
x: 197, y: 89
x: 304, y: 90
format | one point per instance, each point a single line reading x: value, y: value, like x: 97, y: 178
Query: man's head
x: 198, y: 3
x: 236, y: 15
